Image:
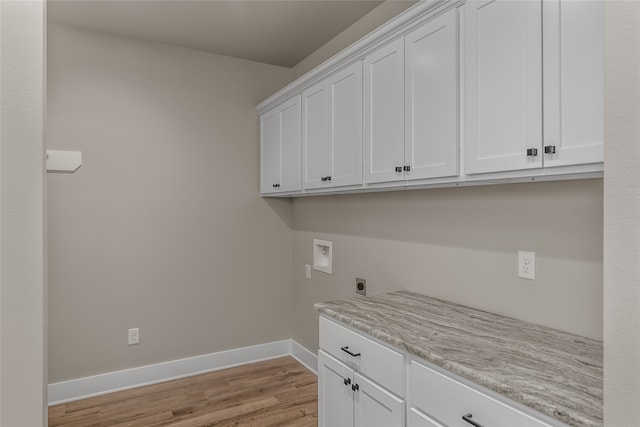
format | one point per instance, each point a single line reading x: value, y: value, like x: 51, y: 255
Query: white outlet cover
x: 527, y: 265
x: 307, y: 271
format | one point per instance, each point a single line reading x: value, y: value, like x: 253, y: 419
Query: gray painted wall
x: 622, y: 215
x: 23, y: 352
x: 461, y: 245
x: 162, y: 227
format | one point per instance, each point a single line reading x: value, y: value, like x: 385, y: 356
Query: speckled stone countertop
x: 556, y: 373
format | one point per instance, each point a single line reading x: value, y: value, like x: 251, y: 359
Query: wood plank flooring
x: 277, y: 392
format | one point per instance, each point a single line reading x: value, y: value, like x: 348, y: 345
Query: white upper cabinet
x: 269, y: 151
x: 446, y: 93
x: 384, y: 113
x: 345, y: 94
x: 503, y: 85
x: 316, y: 144
x: 332, y: 130
x: 280, y: 148
x: 573, y: 82
x: 431, y: 99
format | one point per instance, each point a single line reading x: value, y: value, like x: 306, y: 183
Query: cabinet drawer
x: 375, y: 361
x: 447, y: 401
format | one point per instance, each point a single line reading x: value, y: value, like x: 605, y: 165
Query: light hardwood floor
x: 278, y: 392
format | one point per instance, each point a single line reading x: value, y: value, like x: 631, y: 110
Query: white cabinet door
x: 335, y: 395
x: 573, y: 81
x: 345, y: 93
x: 431, y: 98
x: 269, y: 151
x: 280, y: 148
x: 375, y: 406
x: 316, y: 147
x: 416, y: 418
x: 384, y: 113
x: 332, y: 130
x: 503, y: 85
x: 290, y: 160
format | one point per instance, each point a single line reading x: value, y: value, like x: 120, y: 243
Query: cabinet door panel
x: 316, y: 149
x: 384, y: 113
x: 431, y: 75
x: 573, y: 81
x: 269, y: 151
x: 416, y: 418
x: 346, y: 126
x: 376, y: 407
x: 335, y: 399
x: 382, y: 364
x: 503, y: 85
x: 290, y: 160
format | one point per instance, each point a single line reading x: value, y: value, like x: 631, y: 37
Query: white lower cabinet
x: 335, y: 395
x: 347, y: 399
x: 364, y: 383
x: 455, y: 404
x: 280, y: 148
x: 415, y: 418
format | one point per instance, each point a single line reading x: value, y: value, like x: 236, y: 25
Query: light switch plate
x: 134, y: 336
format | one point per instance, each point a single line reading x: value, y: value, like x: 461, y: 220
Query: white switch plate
x: 134, y: 336
x: 307, y: 271
x: 527, y: 265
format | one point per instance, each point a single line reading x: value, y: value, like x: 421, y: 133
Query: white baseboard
x: 304, y: 356
x: 95, y: 385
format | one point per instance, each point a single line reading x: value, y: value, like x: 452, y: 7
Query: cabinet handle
x: 550, y: 149
x: 468, y: 419
x: 356, y: 387
x: 532, y: 152
x: 347, y: 381
x: 346, y: 350
x: 398, y: 169
x: 407, y: 168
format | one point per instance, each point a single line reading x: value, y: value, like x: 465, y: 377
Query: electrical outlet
x: 134, y: 336
x: 361, y: 286
x: 527, y: 265
x: 307, y: 271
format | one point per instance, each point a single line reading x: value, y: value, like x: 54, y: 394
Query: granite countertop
x: 557, y: 373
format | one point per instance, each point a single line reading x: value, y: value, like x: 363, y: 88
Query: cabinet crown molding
x: 423, y: 9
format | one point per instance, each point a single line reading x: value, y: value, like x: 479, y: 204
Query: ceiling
x: 274, y: 32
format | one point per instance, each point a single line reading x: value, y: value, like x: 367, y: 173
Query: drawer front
x: 447, y: 401
x: 375, y: 361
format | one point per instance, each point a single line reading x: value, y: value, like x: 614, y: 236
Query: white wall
x: 622, y: 215
x: 162, y: 227
x: 22, y: 285
x: 460, y: 245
